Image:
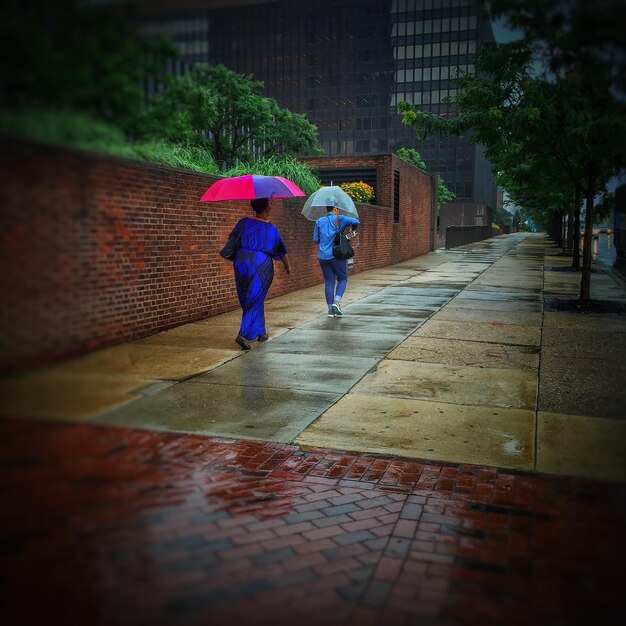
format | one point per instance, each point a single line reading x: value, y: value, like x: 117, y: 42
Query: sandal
x: 242, y: 343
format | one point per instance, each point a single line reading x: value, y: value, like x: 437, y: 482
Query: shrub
x: 74, y: 129
x: 359, y: 192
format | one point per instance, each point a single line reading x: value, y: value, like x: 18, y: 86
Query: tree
x: 415, y: 158
x: 567, y: 116
x: 70, y: 55
x: 227, y: 113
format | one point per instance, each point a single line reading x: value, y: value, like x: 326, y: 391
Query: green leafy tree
x: 227, y: 113
x: 568, y: 116
x: 415, y: 158
x: 502, y: 217
x: 69, y: 54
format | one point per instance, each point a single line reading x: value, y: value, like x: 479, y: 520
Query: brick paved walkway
x: 121, y: 527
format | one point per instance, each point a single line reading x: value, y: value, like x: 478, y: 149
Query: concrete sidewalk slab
x: 581, y: 446
x: 491, y: 332
x: 313, y: 372
x: 520, y: 306
x: 455, y: 385
x: 368, y: 323
x: 461, y: 353
x: 509, y: 296
x: 315, y: 341
x: 152, y: 360
x: 582, y: 322
x: 217, y: 335
x: 488, y: 316
x: 426, y: 430
x: 582, y: 386
x: 380, y: 308
x: 59, y: 394
x: 222, y: 410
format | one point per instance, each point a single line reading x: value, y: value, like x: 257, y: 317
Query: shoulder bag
x: 341, y: 247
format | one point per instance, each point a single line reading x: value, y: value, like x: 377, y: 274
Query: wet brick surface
x: 114, y: 526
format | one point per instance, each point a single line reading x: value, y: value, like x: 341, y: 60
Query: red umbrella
x: 250, y: 187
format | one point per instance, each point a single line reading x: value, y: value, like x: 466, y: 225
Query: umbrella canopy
x: 316, y: 203
x: 251, y: 187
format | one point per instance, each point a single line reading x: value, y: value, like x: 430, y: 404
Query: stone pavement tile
x: 451, y: 313
x: 511, y: 334
x: 58, y: 393
x: 225, y: 410
x: 446, y: 383
x: 460, y: 353
x: 427, y: 430
x: 605, y: 288
x: 380, y: 307
x: 216, y: 333
x: 313, y: 372
x: 316, y: 341
x: 396, y: 323
x: 92, y: 505
x: 584, y: 322
x: 516, y: 306
x: 523, y: 290
x: 561, y: 284
x: 578, y: 445
x: 151, y: 360
x: 411, y: 296
x: 503, y: 294
x: 590, y: 384
x: 421, y: 290
x: 593, y: 340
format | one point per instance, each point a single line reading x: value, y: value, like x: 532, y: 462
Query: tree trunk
x: 576, y: 251
x: 556, y: 231
x: 585, y: 283
x: 570, y: 228
x: 563, y: 232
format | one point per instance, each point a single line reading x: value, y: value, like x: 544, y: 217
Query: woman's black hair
x: 329, y: 208
x: 259, y: 205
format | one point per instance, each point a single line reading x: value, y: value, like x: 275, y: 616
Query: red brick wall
x: 97, y: 250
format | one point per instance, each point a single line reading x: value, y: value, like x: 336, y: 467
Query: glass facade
x: 346, y: 64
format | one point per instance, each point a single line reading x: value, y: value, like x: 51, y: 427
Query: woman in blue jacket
x: 335, y: 271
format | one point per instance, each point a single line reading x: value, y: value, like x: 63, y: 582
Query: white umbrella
x: 316, y: 203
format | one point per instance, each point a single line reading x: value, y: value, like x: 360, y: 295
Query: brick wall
x: 97, y: 250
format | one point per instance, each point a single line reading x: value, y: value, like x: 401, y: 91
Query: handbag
x: 229, y: 251
x: 341, y: 247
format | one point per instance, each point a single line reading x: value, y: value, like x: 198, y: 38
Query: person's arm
x: 286, y: 263
x: 351, y: 222
x: 316, y: 233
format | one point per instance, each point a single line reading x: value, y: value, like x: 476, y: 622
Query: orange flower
x: 359, y: 192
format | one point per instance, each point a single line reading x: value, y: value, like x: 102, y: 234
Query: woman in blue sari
x: 261, y: 245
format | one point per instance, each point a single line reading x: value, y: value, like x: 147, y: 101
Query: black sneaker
x: 336, y: 309
x: 331, y: 312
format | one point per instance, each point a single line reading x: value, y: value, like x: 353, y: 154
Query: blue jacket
x: 325, y: 231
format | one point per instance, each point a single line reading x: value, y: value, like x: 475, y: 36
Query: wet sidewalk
x: 177, y: 480
x: 454, y: 356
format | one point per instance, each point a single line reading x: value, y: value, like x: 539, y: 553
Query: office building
x: 346, y: 64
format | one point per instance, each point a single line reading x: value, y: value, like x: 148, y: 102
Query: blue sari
x: 261, y: 243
